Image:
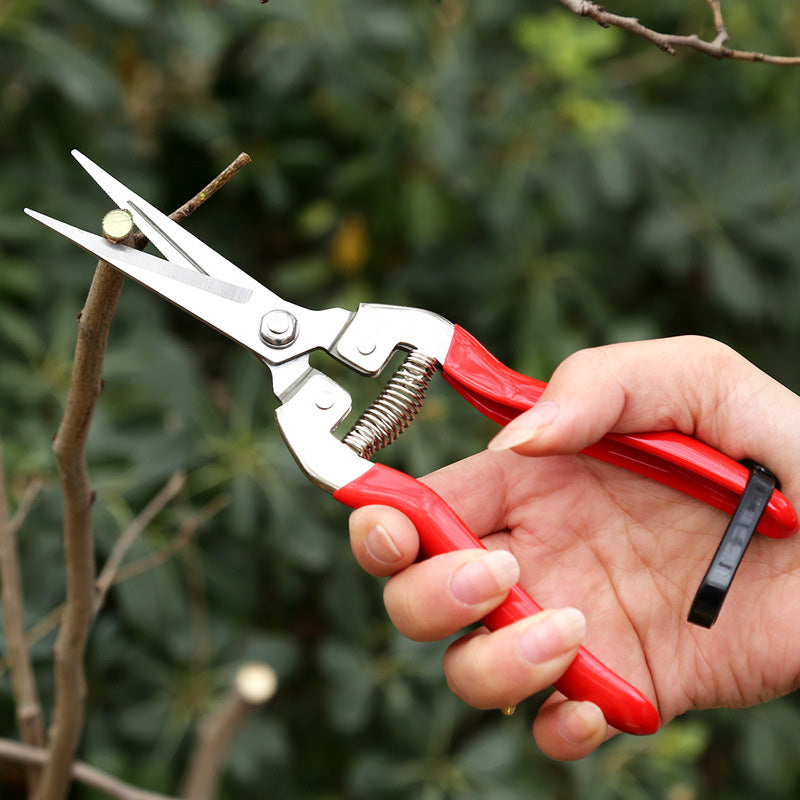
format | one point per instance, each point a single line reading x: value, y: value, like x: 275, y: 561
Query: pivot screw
x: 278, y: 328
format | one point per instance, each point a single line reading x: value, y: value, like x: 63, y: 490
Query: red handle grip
x: 441, y: 530
x: 672, y: 458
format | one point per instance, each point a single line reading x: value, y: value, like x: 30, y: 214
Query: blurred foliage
x: 546, y: 183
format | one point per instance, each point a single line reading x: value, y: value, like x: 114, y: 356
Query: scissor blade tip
x: 84, y: 161
x: 37, y: 215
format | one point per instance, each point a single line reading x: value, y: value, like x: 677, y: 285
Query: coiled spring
x: 395, y: 407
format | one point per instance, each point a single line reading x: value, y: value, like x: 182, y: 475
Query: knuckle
x: 467, y: 675
x: 586, y: 360
x: 712, y: 366
x: 418, y: 604
x: 401, y: 609
x: 486, y: 671
x: 706, y: 349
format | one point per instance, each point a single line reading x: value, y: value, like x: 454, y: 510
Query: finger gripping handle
x: 441, y: 530
x: 676, y: 460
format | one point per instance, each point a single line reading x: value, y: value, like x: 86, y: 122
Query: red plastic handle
x: 672, y: 458
x: 441, y: 530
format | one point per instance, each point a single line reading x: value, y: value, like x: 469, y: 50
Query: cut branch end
x: 117, y: 225
x: 256, y: 683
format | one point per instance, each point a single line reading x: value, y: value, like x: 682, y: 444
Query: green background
x: 544, y: 182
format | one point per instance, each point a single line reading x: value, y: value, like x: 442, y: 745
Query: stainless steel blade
x: 239, y: 312
x: 173, y: 241
x: 128, y: 260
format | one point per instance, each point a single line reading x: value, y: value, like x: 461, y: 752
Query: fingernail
x: 580, y: 722
x: 553, y: 635
x: 381, y: 547
x: 526, y: 426
x: 485, y: 578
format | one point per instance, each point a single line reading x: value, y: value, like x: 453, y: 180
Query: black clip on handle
x: 714, y: 587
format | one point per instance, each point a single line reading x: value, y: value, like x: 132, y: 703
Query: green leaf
x: 75, y: 69
x: 567, y: 46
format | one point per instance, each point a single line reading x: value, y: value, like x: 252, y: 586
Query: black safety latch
x: 714, y: 587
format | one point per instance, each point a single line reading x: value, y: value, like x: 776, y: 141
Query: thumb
x: 690, y: 384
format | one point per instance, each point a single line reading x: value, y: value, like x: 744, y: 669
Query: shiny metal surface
x: 376, y: 331
x: 309, y: 415
x: 198, y: 279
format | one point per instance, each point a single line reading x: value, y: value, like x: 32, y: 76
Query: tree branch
x: 25, y: 503
x: 183, y: 537
x: 91, y: 776
x: 23, y: 683
x: 109, y: 572
x: 719, y: 22
x: 180, y: 214
x: 69, y: 448
x: 126, y: 572
x: 670, y: 43
x: 254, y: 685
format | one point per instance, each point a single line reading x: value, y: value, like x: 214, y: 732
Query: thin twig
x: 23, y: 682
x: 29, y: 495
x: 69, y: 448
x: 670, y: 43
x: 184, y: 536
x: 719, y: 22
x: 180, y: 214
x: 107, y: 575
x: 50, y: 622
x: 83, y: 773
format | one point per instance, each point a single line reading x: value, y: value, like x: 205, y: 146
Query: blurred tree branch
x: 670, y: 43
x: 23, y: 683
x: 126, y: 572
x: 90, y: 776
x: 185, y: 533
x: 69, y: 448
x: 253, y: 686
x: 107, y: 576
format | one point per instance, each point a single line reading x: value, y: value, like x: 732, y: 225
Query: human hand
x: 627, y: 551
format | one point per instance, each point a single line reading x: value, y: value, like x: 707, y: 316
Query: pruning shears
x: 282, y: 335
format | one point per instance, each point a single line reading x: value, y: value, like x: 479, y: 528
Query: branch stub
x: 117, y: 224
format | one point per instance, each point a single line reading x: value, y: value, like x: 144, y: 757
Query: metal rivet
x: 366, y: 347
x: 324, y: 401
x: 278, y: 328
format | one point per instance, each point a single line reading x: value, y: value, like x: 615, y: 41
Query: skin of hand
x: 628, y: 552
